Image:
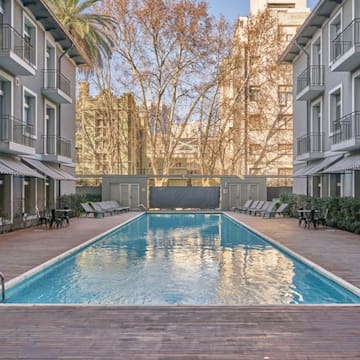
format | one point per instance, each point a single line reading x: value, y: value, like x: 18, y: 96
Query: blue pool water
x: 180, y: 259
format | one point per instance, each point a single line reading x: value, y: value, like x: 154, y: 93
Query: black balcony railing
x: 346, y: 128
x: 11, y: 40
x: 310, y: 143
x: 14, y: 130
x: 348, y: 38
x: 54, y: 145
x: 54, y: 80
x: 311, y: 76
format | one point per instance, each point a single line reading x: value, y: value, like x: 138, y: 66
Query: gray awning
x: 63, y: 173
x: 351, y: 162
x: 5, y: 170
x: 317, y: 167
x: 18, y: 167
x: 46, y: 170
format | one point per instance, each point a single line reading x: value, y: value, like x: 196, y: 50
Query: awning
x: 351, y: 162
x: 64, y: 174
x: 317, y: 167
x: 18, y: 167
x: 5, y: 170
x: 48, y: 170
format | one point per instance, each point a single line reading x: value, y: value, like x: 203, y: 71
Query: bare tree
x: 255, y: 99
x: 108, y: 128
x: 168, y: 54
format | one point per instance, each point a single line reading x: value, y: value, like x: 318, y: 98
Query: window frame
x: 337, y: 15
x: 316, y: 102
x: 288, y: 91
x: 26, y: 92
x: 27, y: 21
x: 258, y: 122
x: 338, y: 88
x: 280, y: 122
x: 317, y: 39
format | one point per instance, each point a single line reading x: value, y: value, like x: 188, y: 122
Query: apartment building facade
x: 258, y: 92
x: 110, y: 134
x: 38, y: 61
x: 326, y: 70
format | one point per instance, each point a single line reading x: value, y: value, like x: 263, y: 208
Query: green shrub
x: 343, y: 213
x: 73, y: 201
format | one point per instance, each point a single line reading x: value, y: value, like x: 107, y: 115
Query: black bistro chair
x: 56, y: 220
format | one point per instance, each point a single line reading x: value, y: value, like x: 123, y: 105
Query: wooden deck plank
x: 188, y: 332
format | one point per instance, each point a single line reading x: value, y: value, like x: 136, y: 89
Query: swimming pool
x: 193, y: 258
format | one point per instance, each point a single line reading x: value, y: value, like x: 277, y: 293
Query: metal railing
x: 54, y: 80
x: 348, y: 38
x: 54, y: 145
x: 12, y: 40
x: 2, y: 278
x: 309, y: 143
x: 311, y: 76
x: 346, y: 128
x: 14, y: 130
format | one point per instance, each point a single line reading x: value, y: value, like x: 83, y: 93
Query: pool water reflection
x: 180, y: 259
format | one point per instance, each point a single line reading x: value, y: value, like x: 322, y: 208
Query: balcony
x: 346, y: 48
x: 57, y: 87
x: 56, y: 149
x: 16, y: 137
x: 346, y: 133
x: 310, y: 146
x: 310, y: 83
x: 16, y: 55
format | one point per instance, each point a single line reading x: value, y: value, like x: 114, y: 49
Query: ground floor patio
x: 180, y: 332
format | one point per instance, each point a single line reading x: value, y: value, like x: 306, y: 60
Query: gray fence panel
x: 185, y: 197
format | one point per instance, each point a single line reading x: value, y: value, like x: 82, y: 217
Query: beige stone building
x: 110, y: 136
x: 256, y: 96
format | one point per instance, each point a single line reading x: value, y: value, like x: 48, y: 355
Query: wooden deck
x: 180, y: 332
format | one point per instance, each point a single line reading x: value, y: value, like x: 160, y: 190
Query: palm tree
x: 89, y: 29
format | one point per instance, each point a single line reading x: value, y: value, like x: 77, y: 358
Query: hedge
x: 73, y: 201
x: 344, y: 213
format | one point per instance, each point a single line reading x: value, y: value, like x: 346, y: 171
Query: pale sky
x: 232, y: 9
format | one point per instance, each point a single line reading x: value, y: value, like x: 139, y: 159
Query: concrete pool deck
x: 180, y: 332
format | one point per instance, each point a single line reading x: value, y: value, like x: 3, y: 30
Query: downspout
x: 308, y: 109
x: 59, y: 105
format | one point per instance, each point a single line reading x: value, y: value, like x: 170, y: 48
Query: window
x: 255, y: 171
x: 289, y: 5
x: 286, y: 148
x: 254, y: 61
x: 335, y: 110
x: 29, y: 112
x: 50, y: 66
x: 284, y: 122
x: 316, y: 123
x: 254, y: 93
x: 255, y: 122
x: 316, y: 54
x: 335, y: 43
x: 335, y: 185
x: 29, y: 34
x: 285, y: 95
x: 316, y: 186
x: 254, y: 149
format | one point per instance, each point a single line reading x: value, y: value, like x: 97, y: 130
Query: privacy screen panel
x: 185, y: 197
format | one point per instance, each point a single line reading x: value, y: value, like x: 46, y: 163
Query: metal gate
x: 239, y: 193
x: 126, y: 194
x: 197, y: 197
